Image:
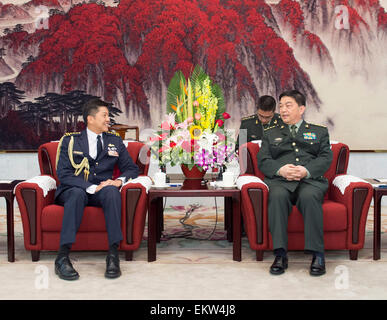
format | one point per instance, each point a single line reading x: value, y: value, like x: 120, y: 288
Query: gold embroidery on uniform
x: 84, y: 165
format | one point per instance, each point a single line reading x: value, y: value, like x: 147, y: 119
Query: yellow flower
x: 196, y: 132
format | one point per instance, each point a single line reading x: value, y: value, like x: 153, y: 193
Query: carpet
x: 194, y: 268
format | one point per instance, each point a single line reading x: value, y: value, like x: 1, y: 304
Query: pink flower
x: 152, y: 139
x: 226, y: 115
x: 159, y: 138
x: 166, y: 125
x: 221, y: 136
x: 198, y: 116
x: 190, y: 119
x: 196, y: 146
x: 186, y: 145
x: 195, y: 103
x: 163, y: 148
x: 182, y: 125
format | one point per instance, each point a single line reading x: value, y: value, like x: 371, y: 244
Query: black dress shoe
x: 112, y: 266
x: 317, y: 268
x: 64, y: 269
x: 279, y: 265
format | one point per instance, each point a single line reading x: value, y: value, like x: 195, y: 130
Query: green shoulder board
x: 270, y: 127
x: 317, y: 125
x: 249, y: 117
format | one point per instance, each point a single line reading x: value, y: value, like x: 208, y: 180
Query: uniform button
x: 96, y: 163
x: 296, y: 150
x: 95, y: 174
x: 293, y: 144
x: 297, y: 159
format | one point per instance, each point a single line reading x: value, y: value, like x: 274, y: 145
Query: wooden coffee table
x: 192, y: 188
x: 6, y: 191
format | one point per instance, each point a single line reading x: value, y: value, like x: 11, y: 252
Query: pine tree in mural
x: 31, y: 123
x: 10, y: 97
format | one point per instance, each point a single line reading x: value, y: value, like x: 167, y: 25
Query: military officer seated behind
x: 85, y: 168
x: 294, y: 157
x: 255, y: 124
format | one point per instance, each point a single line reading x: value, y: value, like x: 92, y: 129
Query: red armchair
x: 345, y: 214
x: 42, y: 219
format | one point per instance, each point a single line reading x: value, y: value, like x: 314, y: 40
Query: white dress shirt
x: 92, y: 139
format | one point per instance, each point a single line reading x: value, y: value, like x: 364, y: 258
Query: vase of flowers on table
x: 192, y: 133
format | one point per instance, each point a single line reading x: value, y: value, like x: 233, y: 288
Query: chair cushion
x: 93, y: 219
x: 334, y: 216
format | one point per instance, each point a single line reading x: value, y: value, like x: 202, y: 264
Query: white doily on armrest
x: 145, y: 181
x: 46, y: 183
x: 259, y: 142
x: 241, y: 181
x: 343, y: 181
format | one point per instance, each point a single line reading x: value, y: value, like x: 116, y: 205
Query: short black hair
x: 90, y: 108
x: 266, y: 103
x: 296, y: 95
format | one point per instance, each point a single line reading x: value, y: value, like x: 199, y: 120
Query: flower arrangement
x: 192, y: 132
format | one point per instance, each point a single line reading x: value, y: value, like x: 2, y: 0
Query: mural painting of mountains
x: 127, y: 53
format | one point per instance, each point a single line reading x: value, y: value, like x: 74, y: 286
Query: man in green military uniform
x: 294, y: 157
x: 252, y: 126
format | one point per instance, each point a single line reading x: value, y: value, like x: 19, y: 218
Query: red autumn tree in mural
x: 128, y: 50
x: 128, y: 53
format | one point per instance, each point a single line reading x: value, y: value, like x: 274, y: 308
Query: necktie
x: 293, y: 130
x: 99, y: 146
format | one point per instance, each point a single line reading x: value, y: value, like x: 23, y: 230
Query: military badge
x: 112, y: 150
x: 277, y: 140
x: 309, y: 136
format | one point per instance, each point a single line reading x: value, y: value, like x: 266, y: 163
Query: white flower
x: 207, y: 140
x: 170, y: 118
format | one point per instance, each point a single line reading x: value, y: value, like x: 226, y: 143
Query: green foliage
x: 177, y: 93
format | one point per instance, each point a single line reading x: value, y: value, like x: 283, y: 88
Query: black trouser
x: 76, y: 199
x: 308, y: 200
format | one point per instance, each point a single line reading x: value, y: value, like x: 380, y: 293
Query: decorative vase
x: 194, y: 173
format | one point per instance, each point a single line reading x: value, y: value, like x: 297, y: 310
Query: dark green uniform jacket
x: 255, y: 127
x: 310, y: 148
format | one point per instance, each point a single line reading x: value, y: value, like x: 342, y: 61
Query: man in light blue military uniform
x: 85, y: 163
x: 294, y: 158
